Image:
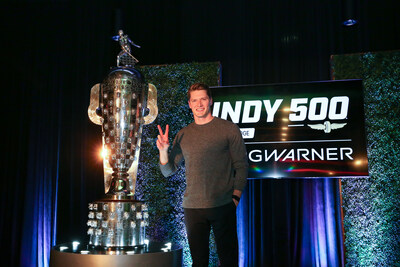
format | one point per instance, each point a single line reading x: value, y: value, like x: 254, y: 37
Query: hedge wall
x: 372, y: 206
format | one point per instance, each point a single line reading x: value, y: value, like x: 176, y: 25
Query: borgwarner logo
x: 319, y: 109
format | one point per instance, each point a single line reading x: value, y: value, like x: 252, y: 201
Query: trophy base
x: 152, y: 255
x: 117, y: 222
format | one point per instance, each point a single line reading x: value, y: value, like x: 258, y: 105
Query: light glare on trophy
x: 121, y: 104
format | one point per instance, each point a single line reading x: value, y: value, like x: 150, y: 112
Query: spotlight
x: 349, y: 22
x: 349, y: 10
x: 103, y: 153
x: 358, y: 162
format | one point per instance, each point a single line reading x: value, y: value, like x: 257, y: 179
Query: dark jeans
x: 223, y: 222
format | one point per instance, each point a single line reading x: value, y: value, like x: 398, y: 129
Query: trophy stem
x: 119, y: 185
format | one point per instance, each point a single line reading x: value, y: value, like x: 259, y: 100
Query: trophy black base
x: 152, y: 255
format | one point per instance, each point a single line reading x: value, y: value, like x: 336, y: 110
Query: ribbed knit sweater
x: 215, y: 160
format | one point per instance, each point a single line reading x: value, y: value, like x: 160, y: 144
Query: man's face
x: 200, y: 104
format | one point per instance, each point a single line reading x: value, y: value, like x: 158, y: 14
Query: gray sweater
x: 215, y: 160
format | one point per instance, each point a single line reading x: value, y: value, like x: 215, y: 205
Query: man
x: 216, y: 172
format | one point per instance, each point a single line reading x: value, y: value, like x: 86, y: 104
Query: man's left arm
x: 240, y: 164
x: 236, y: 195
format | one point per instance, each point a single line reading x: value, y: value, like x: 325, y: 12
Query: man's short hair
x: 199, y: 86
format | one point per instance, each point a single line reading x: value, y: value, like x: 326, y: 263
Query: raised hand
x: 162, y: 139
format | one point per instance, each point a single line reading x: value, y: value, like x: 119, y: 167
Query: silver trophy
x: 121, y: 104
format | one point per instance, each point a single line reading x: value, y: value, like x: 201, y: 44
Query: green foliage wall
x: 372, y: 206
x: 164, y: 195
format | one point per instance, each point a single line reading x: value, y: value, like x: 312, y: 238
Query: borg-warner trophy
x: 121, y: 104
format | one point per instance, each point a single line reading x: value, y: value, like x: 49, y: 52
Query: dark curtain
x: 291, y: 223
x: 54, y: 51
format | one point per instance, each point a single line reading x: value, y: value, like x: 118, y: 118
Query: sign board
x: 299, y: 130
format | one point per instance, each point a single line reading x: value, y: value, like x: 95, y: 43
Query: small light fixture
x: 75, y: 245
x: 168, y: 245
x: 349, y: 22
x: 349, y: 10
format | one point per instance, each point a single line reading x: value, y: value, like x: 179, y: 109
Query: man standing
x: 215, y: 159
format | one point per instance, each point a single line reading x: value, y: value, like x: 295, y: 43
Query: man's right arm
x: 163, y: 157
x: 173, y: 160
x: 167, y: 162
